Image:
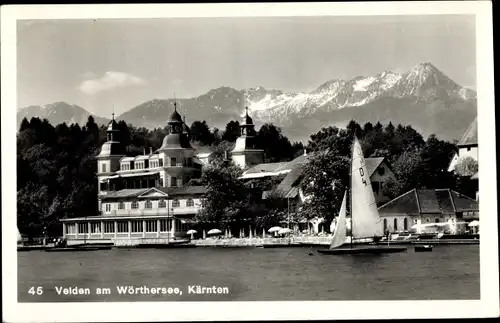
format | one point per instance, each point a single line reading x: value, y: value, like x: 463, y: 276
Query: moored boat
x: 423, y: 248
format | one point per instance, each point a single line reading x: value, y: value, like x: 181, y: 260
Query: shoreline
x: 297, y: 242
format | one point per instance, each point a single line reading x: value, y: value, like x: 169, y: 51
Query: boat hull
x: 361, y: 250
x: 423, y: 248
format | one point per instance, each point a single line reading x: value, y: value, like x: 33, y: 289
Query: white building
x: 142, y: 197
x: 467, y: 146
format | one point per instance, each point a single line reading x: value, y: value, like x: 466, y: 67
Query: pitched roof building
x: 420, y: 206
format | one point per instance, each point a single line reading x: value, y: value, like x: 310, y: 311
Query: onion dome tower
x: 177, y: 154
x: 245, y: 152
x: 108, y: 160
x: 112, y: 147
x: 176, y: 139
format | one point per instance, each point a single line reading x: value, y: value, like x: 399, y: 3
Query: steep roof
x: 288, y: 185
x: 470, y: 135
x: 429, y: 201
x: 373, y: 163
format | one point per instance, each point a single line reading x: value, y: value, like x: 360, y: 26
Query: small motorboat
x: 423, y: 248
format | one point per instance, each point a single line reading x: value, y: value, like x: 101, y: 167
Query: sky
x: 116, y: 64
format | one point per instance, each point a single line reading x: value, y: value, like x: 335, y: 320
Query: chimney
x: 144, y: 151
x: 150, y: 150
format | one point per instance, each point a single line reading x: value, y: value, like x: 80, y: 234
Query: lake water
x: 253, y: 274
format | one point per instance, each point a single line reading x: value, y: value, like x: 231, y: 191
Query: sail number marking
x: 362, y: 173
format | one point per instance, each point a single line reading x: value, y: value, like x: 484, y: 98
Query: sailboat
x: 365, y: 219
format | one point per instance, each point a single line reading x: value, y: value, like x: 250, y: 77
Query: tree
x: 200, y: 132
x: 332, y: 139
x: 276, y: 146
x: 353, y: 128
x: 222, y: 151
x: 93, y: 132
x: 224, y: 200
x: 436, y: 156
x: 216, y: 135
x: 326, y: 178
x: 232, y: 131
x: 466, y: 166
x: 25, y: 125
x: 407, y: 172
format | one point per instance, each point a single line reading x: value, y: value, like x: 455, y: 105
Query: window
x: 108, y: 207
x: 176, y: 203
x: 173, y: 161
x: 122, y: 226
x: 70, y: 228
x: 121, y: 205
x: 376, y: 187
x: 385, y: 225
x: 428, y: 220
x: 103, y: 168
x: 162, y: 204
x: 151, y: 226
x: 405, y: 224
x: 165, y: 225
x: 125, y: 166
x: 381, y: 170
x: 173, y: 181
x: 415, y: 221
x: 395, y: 225
x: 95, y: 227
x: 437, y: 221
x: 137, y: 226
x: 83, y: 228
x: 109, y: 227
x: 161, y: 162
x: 135, y: 205
x: 148, y: 204
x: 190, y: 203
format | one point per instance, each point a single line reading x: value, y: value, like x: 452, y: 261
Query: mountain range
x: 423, y: 97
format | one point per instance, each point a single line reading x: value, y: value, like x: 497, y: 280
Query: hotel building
x: 149, y: 198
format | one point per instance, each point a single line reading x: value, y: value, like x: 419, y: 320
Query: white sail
x: 339, y: 235
x: 364, y: 213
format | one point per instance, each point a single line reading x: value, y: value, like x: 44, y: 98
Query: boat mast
x: 350, y: 187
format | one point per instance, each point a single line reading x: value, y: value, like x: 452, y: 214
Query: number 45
x: 38, y: 291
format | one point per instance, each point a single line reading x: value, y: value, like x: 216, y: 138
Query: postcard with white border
x: 265, y: 161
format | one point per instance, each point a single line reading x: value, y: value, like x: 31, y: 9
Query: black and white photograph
x: 248, y: 161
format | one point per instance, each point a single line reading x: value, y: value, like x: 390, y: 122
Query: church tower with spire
x: 246, y: 153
